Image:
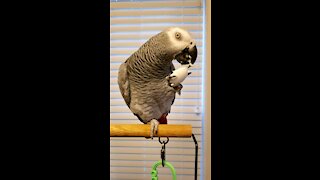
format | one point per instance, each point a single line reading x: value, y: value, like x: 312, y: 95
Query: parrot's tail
x: 163, y: 119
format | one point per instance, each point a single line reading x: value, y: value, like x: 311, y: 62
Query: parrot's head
x: 181, y: 45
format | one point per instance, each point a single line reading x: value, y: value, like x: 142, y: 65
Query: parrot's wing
x: 123, y: 82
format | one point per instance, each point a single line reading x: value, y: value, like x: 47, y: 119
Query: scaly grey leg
x: 153, y: 127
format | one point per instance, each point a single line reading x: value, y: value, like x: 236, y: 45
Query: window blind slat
x: 187, y: 140
x: 154, y: 4
x: 144, y: 36
x: 151, y: 28
x: 144, y: 170
x: 186, y: 11
x: 149, y: 163
x: 181, y: 19
x: 135, y: 157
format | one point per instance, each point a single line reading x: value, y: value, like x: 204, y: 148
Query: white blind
x: 131, y: 24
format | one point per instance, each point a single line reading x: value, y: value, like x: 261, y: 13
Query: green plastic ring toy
x: 154, y: 172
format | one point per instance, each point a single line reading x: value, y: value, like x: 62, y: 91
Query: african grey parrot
x: 143, y: 77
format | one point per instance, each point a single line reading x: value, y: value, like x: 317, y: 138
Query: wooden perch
x: 143, y: 130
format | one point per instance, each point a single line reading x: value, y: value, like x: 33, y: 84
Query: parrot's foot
x: 168, y: 78
x: 154, y: 127
x: 178, y: 88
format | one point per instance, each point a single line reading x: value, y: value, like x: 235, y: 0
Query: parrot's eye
x: 178, y: 35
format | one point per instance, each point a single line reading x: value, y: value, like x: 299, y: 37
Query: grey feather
x: 123, y: 82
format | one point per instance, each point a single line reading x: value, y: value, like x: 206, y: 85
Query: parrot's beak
x: 187, y: 55
x: 193, y: 53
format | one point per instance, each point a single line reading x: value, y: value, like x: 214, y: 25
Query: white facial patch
x: 184, y: 41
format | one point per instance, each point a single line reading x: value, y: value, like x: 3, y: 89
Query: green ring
x: 154, y: 171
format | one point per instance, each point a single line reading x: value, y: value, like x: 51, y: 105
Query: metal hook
x: 163, y: 154
x: 163, y: 142
x: 163, y: 150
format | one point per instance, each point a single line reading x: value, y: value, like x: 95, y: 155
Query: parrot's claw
x: 178, y: 89
x: 154, y: 127
x: 168, y: 78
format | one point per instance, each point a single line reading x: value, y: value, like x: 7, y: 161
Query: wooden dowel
x: 143, y: 130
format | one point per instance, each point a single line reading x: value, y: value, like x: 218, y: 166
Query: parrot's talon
x: 178, y: 88
x: 154, y: 127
